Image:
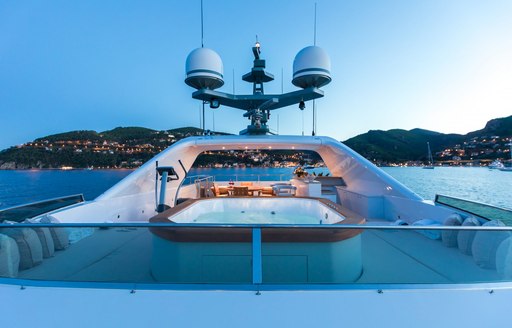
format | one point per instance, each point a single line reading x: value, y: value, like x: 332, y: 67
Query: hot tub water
x: 256, y: 217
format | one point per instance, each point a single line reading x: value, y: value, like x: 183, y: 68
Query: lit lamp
x: 256, y: 50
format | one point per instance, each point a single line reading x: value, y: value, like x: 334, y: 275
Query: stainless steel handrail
x: 261, y: 226
x: 257, y: 282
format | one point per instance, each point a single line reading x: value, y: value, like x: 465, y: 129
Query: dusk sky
x: 442, y: 65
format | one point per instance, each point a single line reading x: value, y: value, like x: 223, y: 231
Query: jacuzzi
x: 257, y: 210
x: 223, y: 254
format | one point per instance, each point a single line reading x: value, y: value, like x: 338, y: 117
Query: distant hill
x: 401, y: 145
x: 498, y: 126
x: 72, y: 135
x: 119, y: 134
x: 120, y: 147
x: 129, y: 147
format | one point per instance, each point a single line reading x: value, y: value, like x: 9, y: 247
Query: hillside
x: 121, y: 147
x: 397, y: 146
x: 129, y: 147
x: 119, y: 134
x: 499, y: 127
x: 401, y: 145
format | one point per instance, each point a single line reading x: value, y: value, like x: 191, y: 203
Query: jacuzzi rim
x: 177, y: 209
x: 241, y: 234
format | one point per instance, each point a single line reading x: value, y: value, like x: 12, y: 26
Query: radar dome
x: 311, y: 68
x: 204, y: 69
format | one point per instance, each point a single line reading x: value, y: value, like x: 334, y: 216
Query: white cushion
x: 449, y: 237
x: 60, y: 236
x: 465, y: 238
x: 9, y: 257
x: 46, y: 239
x: 431, y: 234
x: 486, y: 244
x: 504, y: 259
x: 31, y: 252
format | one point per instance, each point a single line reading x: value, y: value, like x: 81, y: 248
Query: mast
x: 311, y: 69
x: 430, y: 158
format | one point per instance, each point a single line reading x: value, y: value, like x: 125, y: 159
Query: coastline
x: 71, y: 169
x: 482, y: 164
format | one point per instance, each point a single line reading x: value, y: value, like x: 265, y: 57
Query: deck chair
x: 241, y: 191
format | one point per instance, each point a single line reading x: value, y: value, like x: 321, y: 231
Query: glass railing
x: 238, y: 177
x: 254, y: 177
x: 27, y: 211
x: 253, y: 256
x: 485, y: 211
x: 188, y: 180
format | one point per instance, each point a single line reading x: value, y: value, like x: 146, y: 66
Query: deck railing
x: 488, y: 212
x: 252, y: 256
x: 239, y: 177
x: 26, y: 211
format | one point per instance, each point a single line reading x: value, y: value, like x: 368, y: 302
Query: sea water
x: 493, y: 187
x: 20, y: 187
x: 478, y: 184
x: 255, y: 217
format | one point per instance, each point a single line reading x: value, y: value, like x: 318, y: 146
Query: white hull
x: 79, y: 307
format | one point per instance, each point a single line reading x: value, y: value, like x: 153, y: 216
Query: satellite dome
x: 204, y: 69
x: 311, y: 68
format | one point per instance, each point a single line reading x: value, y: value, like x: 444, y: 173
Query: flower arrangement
x: 299, y: 172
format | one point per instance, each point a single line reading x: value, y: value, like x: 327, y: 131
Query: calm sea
x: 478, y: 184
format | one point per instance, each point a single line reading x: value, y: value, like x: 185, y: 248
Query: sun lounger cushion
x: 60, y: 236
x: 220, y: 191
x: 504, y: 259
x: 486, y: 244
x: 465, y: 238
x: 46, y: 239
x: 29, y: 246
x: 449, y: 237
x: 9, y: 257
x: 431, y: 234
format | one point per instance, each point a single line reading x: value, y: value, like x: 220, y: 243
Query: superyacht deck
x: 123, y: 255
